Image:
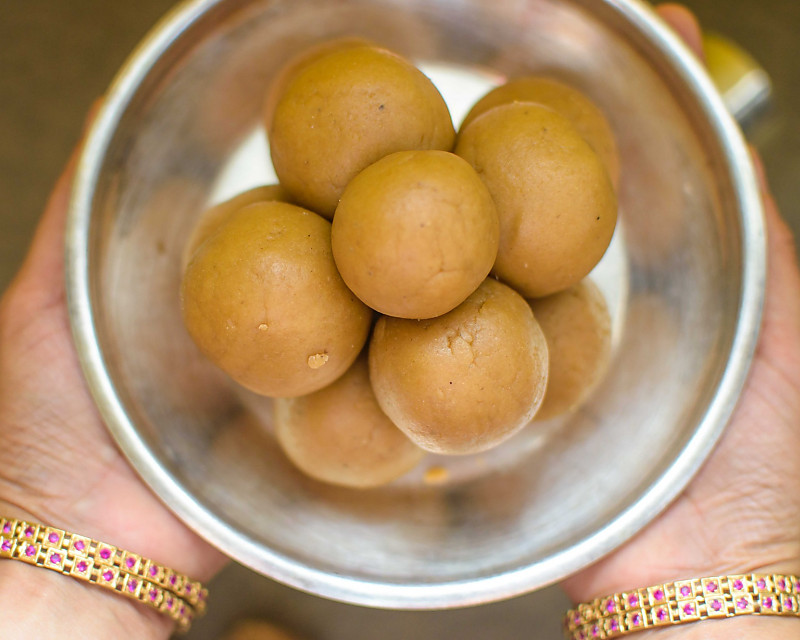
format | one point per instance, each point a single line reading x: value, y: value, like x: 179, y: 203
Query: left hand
x: 58, y: 463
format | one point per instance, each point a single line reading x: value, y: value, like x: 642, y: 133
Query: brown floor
x: 57, y: 56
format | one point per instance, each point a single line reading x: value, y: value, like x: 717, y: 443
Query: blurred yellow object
x: 744, y: 85
x: 258, y: 630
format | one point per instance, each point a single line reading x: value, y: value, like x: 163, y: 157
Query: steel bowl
x: 684, y: 277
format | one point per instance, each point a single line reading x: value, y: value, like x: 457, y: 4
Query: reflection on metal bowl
x: 684, y: 280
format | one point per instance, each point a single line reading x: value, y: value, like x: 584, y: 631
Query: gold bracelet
x: 683, y: 601
x: 105, y: 565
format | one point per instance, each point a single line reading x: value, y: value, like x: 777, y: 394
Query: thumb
x: 43, y: 267
x: 782, y: 304
x: 685, y: 24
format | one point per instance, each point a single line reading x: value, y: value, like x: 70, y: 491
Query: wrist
x: 682, y: 546
x: 158, y: 535
x: 685, y: 608
x: 44, y: 604
x: 604, y: 579
x: 69, y: 582
x: 737, y: 628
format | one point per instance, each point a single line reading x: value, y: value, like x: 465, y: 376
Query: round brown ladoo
x: 555, y: 202
x: 258, y: 630
x: 465, y: 381
x: 577, y: 327
x: 263, y: 300
x: 585, y: 116
x: 213, y: 218
x: 340, y: 435
x: 345, y: 110
x: 415, y: 233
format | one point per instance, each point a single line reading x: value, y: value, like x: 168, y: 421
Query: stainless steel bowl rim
x: 434, y: 595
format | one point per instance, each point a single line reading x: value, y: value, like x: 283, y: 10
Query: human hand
x: 741, y: 514
x: 58, y: 463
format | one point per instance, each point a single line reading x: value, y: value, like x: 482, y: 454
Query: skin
x: 345, y: 111
x: 585, y: 116
x: 739, y: 515
x: 340, y: 435
x: 48, y: 424
x: 415, y: 233
x: 556, y: 205
x: 466, y: 381
x: 263, y: 301
x: 577, y: 328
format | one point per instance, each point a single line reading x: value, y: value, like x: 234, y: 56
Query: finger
x: 780, y: 239
x: 761, y: 173
x: 685, y: 25
x: 44, y: 263
x: 782, y: 304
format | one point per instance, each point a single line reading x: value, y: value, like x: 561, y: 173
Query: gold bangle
x: 683, y: 601
x: 106, y: 566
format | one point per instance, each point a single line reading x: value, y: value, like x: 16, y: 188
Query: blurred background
x: 58, y: 56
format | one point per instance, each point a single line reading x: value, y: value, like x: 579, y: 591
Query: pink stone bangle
x: 104, y: 565
x: 684, y: 601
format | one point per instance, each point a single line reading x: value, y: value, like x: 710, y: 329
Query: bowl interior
x: 188, y: 134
